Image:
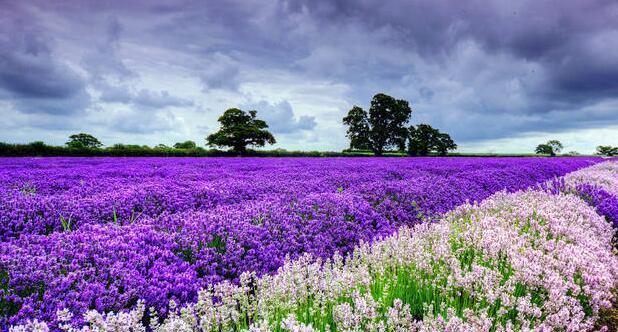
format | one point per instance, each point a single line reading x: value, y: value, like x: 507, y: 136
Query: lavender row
x: 598, y: 186
x: 42, y: 196
x: 526, y: 261
x: 102, y: 234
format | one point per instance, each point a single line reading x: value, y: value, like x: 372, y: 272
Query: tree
x: 544, y: 149
x: 83, y: 140
x: 239, y: 129
x: 185, y: 145
x: 424, y: 139
x: 382, y: 128
x: 551, y: 148
x: 358, y: 129
x: 444, y: 144
x: 606, y: 150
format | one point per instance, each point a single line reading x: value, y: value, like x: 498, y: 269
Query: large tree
x: 551, y: 148
x: 606, y: 150
x: 240, y: 129
x: 380, y: 129
x: 424, y: 139
x: 83, y: 140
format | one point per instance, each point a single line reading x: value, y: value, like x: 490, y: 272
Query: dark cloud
x: 115, y: 93
x: 508, y: 67
x: 280, y: 117
x: 220, y: 72
x: 556, y: 34
x: 32, y: 79
x: 102, y: 59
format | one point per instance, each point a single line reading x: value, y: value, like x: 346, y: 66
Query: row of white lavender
x: 603, y: 175
x: 522, y: 261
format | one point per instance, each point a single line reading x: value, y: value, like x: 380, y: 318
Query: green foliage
x: 185, y: 145
x: 239, y: 129
x: 135, y: 216
x: 380, y: 129
x: 426, y: 290
x: 83, y: 140
x: 66, y: 223
x: 37, y: 145
x: 424, y: 139
x: 28, y: 188
x: 606, y: 150
x: 8, y: 306
x: 445, y: 143
x: 551, y: 148
x: 421, y: 139
x: 187, y: 255
x: 217, y: 243
x: 130, y: 150
x: 358, y: 129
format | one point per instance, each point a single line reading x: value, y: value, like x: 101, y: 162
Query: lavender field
x: 218, y: 244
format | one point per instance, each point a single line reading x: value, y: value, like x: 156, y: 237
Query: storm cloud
x: 32, y: 78
x: 481, y: 70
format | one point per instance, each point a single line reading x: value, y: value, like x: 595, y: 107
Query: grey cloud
x: 161, y: 99
x: 102, y: 60
x: 281, y: 118
x: 143, y: 99
x: 220, y: 72
x: 32, y: 79
x: 135, y: 122
x: 115, y: 93
x: 510, y: 66
x: 555, y: 34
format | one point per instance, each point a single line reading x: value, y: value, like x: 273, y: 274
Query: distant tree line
x: 130, y: 150
x: 554, y: 147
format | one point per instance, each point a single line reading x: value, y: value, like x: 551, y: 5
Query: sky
x: 499, y: 76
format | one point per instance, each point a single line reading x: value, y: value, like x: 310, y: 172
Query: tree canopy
x: 424, y: 139
x: 358, y: 129
x: 83, y: 140
x: 445, y: 144
x: 185, y: 145
x: 606, y: 150
x: 551, y: 148
x: 240, y: 129
x: 380, y: 129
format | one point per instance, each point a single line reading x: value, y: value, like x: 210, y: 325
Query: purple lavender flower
x: 102, y: 233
